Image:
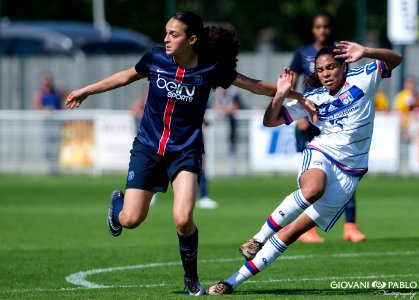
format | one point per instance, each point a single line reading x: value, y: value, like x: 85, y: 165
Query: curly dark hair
x: 313, y: 80
x: 216, y: 42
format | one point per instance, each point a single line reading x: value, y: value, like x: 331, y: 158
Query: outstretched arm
x: 256, y: 86
x: 261, y: 87
x: 353, y: 52
x: 272, y: 117
x: 76, y: 97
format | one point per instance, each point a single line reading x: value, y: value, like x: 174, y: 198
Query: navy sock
x: 188, y: 246
x: 117, y: 207
x: 350, y: 210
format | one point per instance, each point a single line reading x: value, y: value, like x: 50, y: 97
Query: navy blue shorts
x: 152, y: 172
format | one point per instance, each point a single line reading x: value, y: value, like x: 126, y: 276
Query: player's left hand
x: 350, y: 51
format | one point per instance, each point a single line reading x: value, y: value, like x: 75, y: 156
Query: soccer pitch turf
x: 54, y: 243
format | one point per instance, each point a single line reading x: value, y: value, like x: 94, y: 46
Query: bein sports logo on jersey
x: 176, y: 90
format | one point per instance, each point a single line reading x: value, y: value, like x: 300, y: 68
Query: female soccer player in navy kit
x: 169, y: 144
x: 333, y: 162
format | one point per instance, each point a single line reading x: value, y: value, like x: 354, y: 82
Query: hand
x: 350, y: 51
x: 310, y: 108
x: 75, y: 98
x: 284, y: 83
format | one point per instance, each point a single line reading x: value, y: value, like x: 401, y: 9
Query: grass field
x: 53, y: 233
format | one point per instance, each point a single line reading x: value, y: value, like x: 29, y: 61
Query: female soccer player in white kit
x: 333, y: 162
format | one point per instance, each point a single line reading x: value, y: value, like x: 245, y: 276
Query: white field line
x: 79, y: 278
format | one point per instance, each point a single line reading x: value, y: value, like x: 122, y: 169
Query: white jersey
x: 345, y: 120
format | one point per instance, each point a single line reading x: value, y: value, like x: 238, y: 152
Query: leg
x: 350, y: 230
x: 135, y: 208
x: 185, y: 188
x: 312, y: 183
x: 128, y: 211
x: 274, y: 248
x: 204, y: 201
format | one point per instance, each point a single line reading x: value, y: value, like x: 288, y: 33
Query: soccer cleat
x: 114, y: 229
x: 221, y: 288
x: 311, y: 236
x: 207, y: 203
x: 194, y: 288
x: 250, y: 249
x: 351, y: 233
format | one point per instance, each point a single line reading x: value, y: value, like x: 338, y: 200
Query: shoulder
x: 307, y: 50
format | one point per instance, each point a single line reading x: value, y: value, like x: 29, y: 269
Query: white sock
x: 268, y: 254
x: 292, y: 206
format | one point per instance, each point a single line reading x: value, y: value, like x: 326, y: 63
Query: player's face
x: 322, y: 30
x: 176, y: 39
x: 331, y: 73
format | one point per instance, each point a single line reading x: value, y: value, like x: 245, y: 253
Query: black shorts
x: 152, y: 172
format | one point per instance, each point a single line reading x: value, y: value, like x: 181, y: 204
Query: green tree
x: 289, y: 20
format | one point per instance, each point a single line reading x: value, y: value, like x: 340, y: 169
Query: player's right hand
x: 75, y: 98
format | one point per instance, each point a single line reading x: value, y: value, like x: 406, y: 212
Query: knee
x: 312, y: 192
x: 130, y: 221
x: 290, y: 233
x: 184, y: 224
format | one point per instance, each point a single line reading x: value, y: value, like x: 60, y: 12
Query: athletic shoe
x: 311, y: 236
x: 194, y: 288
x: 351, y: 233
x: 250, y: 249
x: 221, y: 288
x: 114, y: 229
x: 207, y: 203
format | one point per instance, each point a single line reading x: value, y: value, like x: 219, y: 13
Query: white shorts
x: 339, y: 189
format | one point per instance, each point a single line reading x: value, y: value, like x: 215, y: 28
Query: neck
x: 188, y: 61
x: 319, y: 45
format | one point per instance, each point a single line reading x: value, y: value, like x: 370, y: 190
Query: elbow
x: 269, y: 122
x: 400, y: 58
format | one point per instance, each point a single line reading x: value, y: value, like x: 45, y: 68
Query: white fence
x: 97, y: 141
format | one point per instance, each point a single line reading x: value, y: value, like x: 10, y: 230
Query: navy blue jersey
x: 176, y: 101
x: 303, y: 62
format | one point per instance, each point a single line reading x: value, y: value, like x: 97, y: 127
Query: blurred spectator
x: 138, y: 106
x: 226, y: 102
x: 204, y: 201
x: 407, y: 98
x: 267, y: 41
x: 381, y: 102
x: 50, y: 98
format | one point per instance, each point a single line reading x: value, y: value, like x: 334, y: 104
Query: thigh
x: 136, y: 204
x: 339, y: 189
x: 313, y: 175
x: 147, y: 170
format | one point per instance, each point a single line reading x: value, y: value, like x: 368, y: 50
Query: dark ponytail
x: 216, y: 42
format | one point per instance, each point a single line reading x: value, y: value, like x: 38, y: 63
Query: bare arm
x: 353, y: 52
x: 122, y: 78
x: 37, y: 102
x: 272, y: 117
x: 259, y: 87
